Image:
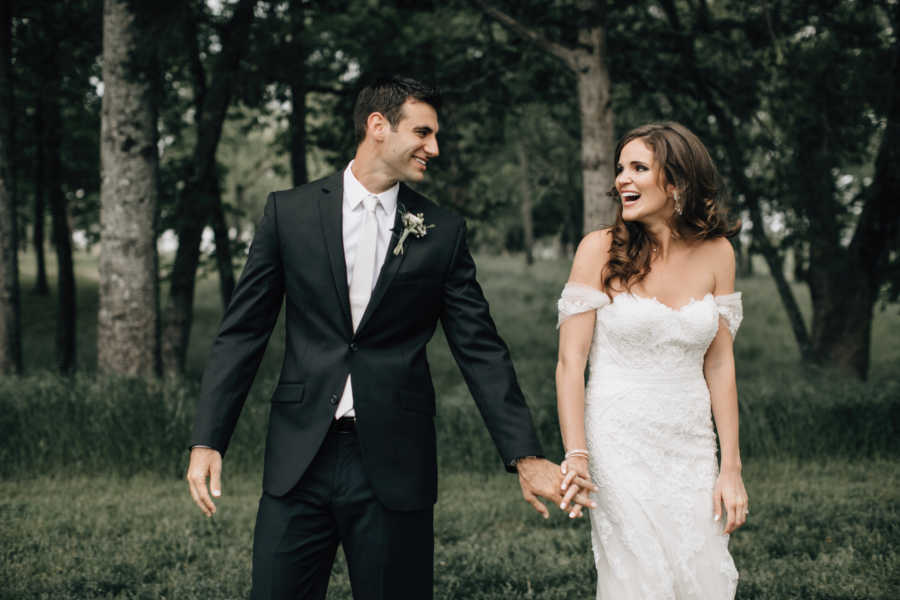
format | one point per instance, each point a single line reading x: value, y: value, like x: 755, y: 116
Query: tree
x: 200, y: 197
x: 585, y: 57
x: 127, y: 323
x: 803, y: 83
x: 10, y: 314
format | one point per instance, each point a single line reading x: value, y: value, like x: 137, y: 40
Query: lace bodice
x: 639, y: 332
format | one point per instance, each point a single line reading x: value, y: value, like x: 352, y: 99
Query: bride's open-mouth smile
x: 629, y: 198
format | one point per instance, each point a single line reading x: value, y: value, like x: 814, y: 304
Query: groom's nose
x: 431, y: 146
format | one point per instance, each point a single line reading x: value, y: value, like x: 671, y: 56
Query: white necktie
x: 364, y: 266
x: 361, y: 286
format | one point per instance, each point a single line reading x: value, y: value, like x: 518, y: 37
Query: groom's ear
x: 377, y: 126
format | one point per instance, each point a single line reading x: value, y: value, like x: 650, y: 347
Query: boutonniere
x: 413, y: 223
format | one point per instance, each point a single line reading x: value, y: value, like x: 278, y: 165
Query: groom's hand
x: 540, y: 477
x: 205, y: 462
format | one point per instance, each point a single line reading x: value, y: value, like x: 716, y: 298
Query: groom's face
x: 412, y: 143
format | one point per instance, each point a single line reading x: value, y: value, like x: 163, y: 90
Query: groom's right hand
x: 205, y: 462
x: 540, y: 477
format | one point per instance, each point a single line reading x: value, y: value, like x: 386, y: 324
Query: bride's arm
x: 575, y: 335
x: 718, y: 368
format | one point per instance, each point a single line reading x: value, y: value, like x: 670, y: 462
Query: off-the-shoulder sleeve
x: 577, y: 298
x: 732, y: 310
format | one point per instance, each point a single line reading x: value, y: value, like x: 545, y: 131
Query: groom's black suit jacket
x: 297, y: 254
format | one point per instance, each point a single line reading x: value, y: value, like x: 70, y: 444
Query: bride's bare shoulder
x: 590, y: 258
x: 717, y: 255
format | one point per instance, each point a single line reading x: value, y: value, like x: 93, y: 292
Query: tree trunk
x: 10, y: 312
x: 588, y: 62
x: 842, y: 319
x: 597, y: 144
x: 223, y: 247
x: 197, y: 202
x: 526, y: 204
x: 59, y: 210
x: 127, y: 318
x: 298, y: 131
x: 40, y: 199
x: 297, y: 81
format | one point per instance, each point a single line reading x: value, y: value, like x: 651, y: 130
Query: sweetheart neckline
x: 655, y: 300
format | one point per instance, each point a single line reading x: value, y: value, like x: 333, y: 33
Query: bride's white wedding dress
x: 648, y: 423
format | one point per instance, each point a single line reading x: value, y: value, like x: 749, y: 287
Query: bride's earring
x: 678, y: 208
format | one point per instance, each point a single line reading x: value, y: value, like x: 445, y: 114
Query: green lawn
x: 817, y: 531
x: 91, y: 505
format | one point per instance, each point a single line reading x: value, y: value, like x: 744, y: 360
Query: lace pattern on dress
x: 578, y: 298
x: 732, y: 310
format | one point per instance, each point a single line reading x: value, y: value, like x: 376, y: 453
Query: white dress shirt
x: 354, y: 214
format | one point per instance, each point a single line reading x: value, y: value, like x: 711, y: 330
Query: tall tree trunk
x: 127, y: 318
x: 59, y: 210
x: 587, y: 61
x: 197, y: 202
x: 40, y: 199
x: 526, y: 204
x: 297, y: 82
x: 298, y: 131
x: 842, y: 321
x: 223, y: 247
x: 597, y: 144
x: 10, y: 312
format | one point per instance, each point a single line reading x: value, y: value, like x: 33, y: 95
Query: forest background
x: 138, y: 142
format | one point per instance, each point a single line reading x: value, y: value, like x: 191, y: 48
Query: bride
x: 651, y: 302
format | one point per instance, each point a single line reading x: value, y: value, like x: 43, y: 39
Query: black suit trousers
x: 390, y: 554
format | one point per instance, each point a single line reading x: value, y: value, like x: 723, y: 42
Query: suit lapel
x: 330, y: 212
x: 405, y: 198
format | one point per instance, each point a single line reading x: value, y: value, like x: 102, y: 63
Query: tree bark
x: 40, y: 200
x: 59, y: 210
x: 127, y: 321
x: 10, y: 310
x: 597, y: 143
x: 525, y: 204
x: 297, y: 82
x: 846, y: 295
x: 198, y: 199
x: 588, y: 63
x: 223, y: 247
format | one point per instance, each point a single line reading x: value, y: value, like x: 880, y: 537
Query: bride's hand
x: 575, y: 477
x: 730, y: 491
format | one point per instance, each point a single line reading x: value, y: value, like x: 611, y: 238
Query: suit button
x: 354, y: 347
x: 333, y: 399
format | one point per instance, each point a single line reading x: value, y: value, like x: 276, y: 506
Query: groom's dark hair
x: 386, y: 95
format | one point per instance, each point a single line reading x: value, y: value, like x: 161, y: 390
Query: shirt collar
x: 354, y: 192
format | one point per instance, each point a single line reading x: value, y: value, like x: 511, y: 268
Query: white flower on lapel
x: 412, y: 224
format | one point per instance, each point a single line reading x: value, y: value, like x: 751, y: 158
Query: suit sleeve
x: 484, y: 359
x: 243, y: 334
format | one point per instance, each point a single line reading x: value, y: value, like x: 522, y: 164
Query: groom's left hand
x: 540, y: 477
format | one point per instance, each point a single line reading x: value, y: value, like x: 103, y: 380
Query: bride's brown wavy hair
x: 685, y: 163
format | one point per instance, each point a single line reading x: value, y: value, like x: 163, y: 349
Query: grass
x: 817, y: 531
x: 92, y: 506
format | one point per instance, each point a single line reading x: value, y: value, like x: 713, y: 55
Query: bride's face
x: 645, y: 195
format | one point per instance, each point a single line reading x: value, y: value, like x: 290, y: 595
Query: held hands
x: 540, y: 477
x: 730, y: 491
x: 205, y: 462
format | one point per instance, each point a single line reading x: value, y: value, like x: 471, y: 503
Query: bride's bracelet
x: 577, y: 452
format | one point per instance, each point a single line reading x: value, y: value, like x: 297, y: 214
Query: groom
x: 367, y: 267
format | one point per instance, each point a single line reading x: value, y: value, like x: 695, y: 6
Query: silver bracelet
x: 577, y: 452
